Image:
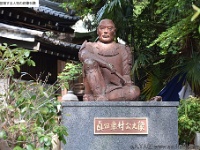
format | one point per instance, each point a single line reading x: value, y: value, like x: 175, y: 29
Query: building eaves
x: 54, y: 13
x: 20, y: 30
x: 17, y: 33
x: 60, y: 43
x: 59, y: 48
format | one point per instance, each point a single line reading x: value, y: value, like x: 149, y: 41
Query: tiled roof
x: 54, y: 9
x: 51, y: 12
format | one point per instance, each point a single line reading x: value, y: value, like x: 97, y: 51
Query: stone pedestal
x: 78, y: 117
x: 197, y: 139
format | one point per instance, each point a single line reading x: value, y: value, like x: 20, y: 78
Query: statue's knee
x: 132, y: 92
x: 90, y: 64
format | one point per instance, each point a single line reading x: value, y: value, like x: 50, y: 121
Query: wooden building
x: 46, y: 29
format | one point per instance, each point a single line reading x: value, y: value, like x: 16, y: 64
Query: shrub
x: 28, y: 110
x: 71, y: 72
x: 188, y: 119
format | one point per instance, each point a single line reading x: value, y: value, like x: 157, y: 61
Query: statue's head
x: 106, y: 31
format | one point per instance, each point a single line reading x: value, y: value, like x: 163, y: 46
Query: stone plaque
x: 120, y: 126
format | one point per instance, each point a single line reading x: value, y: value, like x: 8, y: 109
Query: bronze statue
x: 106, y: 67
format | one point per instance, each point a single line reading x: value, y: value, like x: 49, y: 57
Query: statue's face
x: 106, y: 31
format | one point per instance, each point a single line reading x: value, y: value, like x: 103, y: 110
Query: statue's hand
x: 129, y: 83
x: 111, y: 68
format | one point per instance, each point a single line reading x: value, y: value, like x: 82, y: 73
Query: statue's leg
x: 126, y: 93
x: 95, y: 79
x: 88, y: 95
x: 116, y: 95
x: 131, y: 93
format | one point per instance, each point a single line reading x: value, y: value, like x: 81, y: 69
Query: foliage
x: 12, y: 58
x: 28, y: 110
x: 188, y: 119
x: 139, y: 6
x: 85, y: 7
x: 104, y: 9
x: 152, y: 78
x: 191, y: 67
x: 173, y: 36
x: 165, y: 34
x: 71, y: 72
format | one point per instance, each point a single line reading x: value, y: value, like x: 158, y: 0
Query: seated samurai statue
x: 106, y: 67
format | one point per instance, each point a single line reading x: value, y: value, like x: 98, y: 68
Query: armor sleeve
x: 84, y: 51
x: 126, y: 60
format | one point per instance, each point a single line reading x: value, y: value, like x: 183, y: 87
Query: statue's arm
x: 86, y: 52
x: 127, y: 64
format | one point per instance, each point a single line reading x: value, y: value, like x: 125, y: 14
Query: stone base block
x: 78, y: 117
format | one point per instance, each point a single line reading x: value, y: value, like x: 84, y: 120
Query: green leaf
x: 45, y: 94
x: 3, y: 135
x: 13, y: 45
x: 195, y: 16
x: 17, y: 68
x: 29, y: 147
x: 5, y: 44
x: 21, y: 60
x: 33, y: 63
x: 27, y: 53
x: 40, y: 148
x: 41, y: 139
x: 17, y: 148
x: 24, y: 109
x: 196, y: 8
x: 33, y: 97
x: 199, y: 28
x: 48, y: 143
